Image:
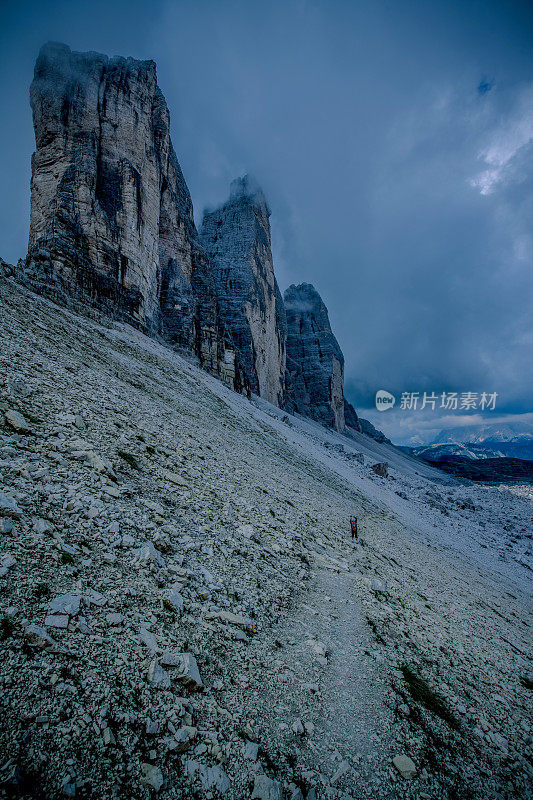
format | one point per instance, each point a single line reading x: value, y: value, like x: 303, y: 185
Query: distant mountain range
x: 440, y: 452
x: 488, y: 453
x: 513, y: 440
x: 477, y: 434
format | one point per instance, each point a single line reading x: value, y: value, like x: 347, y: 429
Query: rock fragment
x: 8, y: 506
x: 381, y: 469
x: 266, y: 788
x: 37, y: 636
x: 6, y: 562
x: 114, y: 619
x: 148, y: 554
x: 183, y: 739
x: 405, y: 766
x: 230, y: 618
x: 294, y: 792
x: 65, y: 604
x: 149, y: 640
x: 341, y: 770
x: 210, y: 777
x: 174, y: 600
x: 318, y: 647
x: 157, y: 676
x: 152, y: 776
x: 56, y: 621
x: 16, y: 421
x: 6, y: 526
x: 187, y: 672
x: 297, y: 727
x: 100, y: 464
x: 41, y: 526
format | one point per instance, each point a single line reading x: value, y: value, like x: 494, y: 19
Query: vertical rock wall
x: 111, y: 214
x: 315, y: 363
x: 237, y: 239
x: 112, y: 220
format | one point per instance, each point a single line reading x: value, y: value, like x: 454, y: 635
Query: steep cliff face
x: 111, y: 215
x: 315, y: 363
x: 351, y: 419
x: 369, y: 430
x: 237, y: 239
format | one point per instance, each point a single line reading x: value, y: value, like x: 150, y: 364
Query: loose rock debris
x: 203, y: 623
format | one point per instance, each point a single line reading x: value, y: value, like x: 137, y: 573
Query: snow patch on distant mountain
x: 478, y: 434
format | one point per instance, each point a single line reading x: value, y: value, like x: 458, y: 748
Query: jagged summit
x: 305, y: 297
x: 60, y: 52
x: 248, y: 189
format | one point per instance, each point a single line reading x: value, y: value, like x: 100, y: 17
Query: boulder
x: 16, y: 421
x: 381, y: 469
x: 8, y: 506
x: 266, y: 788
x: 187, y: 672
x: 157, y: 676
x: 152, y: 777
x: 405, y: 766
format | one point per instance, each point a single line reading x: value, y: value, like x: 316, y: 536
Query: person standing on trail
x: 353, y: 525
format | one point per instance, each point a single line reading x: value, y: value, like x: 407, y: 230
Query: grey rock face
x: 315, y: 363
x: 237, y: 239
x: 357, y: 423
x: 111, y: 214
x: 351, y: 418
x: 368, y: 429
x: 6, y: 270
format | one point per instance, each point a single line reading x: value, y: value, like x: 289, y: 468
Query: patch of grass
x: 423, y: 694
x: 41, y: 590
x: 130, y: 459
x: 66, y: 558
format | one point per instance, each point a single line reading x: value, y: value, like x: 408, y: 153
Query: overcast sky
x: 394, y: 141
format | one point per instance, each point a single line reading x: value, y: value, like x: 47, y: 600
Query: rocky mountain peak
x: 247, y: 189
x: 111, y: 214
x: 315, y: 363
x: 236, y: 237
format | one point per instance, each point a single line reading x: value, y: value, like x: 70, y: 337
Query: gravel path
x: 329, y: 710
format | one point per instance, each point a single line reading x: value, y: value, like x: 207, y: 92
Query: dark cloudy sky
x: 394, y: 139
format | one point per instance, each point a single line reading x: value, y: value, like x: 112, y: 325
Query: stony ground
x: 183, y: 613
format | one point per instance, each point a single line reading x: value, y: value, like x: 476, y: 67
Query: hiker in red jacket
x: 353, y: 525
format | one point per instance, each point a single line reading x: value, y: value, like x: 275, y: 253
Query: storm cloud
x: 394, y: 142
